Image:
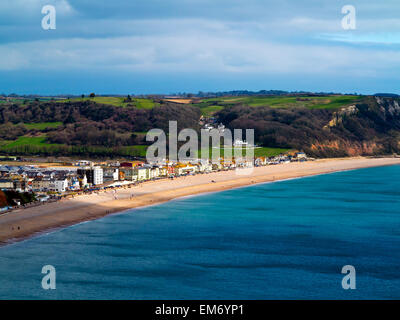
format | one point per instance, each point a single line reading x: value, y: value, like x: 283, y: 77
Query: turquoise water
x: 284, y: 240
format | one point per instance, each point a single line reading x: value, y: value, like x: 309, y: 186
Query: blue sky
x: 166, y: 46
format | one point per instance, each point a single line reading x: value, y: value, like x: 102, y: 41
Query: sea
x: 283, y: 240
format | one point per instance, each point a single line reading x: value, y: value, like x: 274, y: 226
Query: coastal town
x: 25, y: 185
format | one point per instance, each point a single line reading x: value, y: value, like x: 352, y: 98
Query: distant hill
x: 85, y: 127
x: 321, y: 125
x: 369, y: 127
x: 240, y: 93
x: 387, y: 95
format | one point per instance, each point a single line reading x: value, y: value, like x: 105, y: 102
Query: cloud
x: 263, y: 38
x: 202, y: 52
x: 26, y: 9
x: 12, y: 59
x: 366, y: 38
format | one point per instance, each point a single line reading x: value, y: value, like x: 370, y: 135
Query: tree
x: 92, y: 95
x: 82, y: 96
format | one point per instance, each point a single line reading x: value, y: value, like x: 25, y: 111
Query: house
x: 260, y: 161
x: 301, y: 156
x: 40, y: 184
x: 240, y: 143
x: 20, y: 185
x: 204, y: 166
x: 154, y: 172
x: 58, y: 185
x: 6, y: 184
x: 143, y: 173
x: 216, y: 166
x: 83, y: 163
x: 182, y: 168
x: 55, y: 185
x: 74, y: 184
x: 126, y: 165
x: 228, y: 164
x: 83, y: 182
x: 128, y: 173
x: 163, y: 171
x: 170, y: 170
x: 131, y: 164
x: 110, y: 174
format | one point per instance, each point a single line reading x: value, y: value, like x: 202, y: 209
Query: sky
x: 170, y: 46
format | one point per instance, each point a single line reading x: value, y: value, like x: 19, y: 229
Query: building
x: 83, y: 163
x: 94, y: 175
x: 74, y: 184
x: 110, y: 174
x: 6, y: 184
x: 40, y: 184
x: 182, y: 168
x: 204, y: 166
x: 55, y: 185
x: 143, y: 173
x: 132, y: 164
x: 128, y: 173
x: 58, y: 185
x: 83, y: 182
x: 163, y: 171
x: 301, y: 156
x: 154, y: 172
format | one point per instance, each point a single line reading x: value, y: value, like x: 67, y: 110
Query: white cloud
x: 367, y: 38
x: 201, y: 52
x: 25, y: 9
x: 12, y: 59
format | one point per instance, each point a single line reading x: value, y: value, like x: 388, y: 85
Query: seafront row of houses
x: 88, y: 175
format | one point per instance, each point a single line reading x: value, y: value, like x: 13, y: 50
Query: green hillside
x: 139, y: 103
x: 212, y: 105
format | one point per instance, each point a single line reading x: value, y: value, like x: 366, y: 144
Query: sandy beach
x: 23, y: 223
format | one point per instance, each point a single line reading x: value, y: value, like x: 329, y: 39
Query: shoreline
x: 25, y: 223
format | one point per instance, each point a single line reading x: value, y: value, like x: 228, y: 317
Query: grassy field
x: 135, y: 150
x: 38, y: 145
x: 212, y: 105
x: 120, y: 102
x: 258, y: 152
x: 42, y: 125
x: 269, y: 152
x: 31, y: 141
x: 210, y: 110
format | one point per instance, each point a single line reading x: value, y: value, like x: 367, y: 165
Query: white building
x: 83, y: 163
x: 97, y: 175
x: 143, y: 173
x: 58, y: 185
x: 110, y: 174
x: 50, y: 185
x: 240, y: 143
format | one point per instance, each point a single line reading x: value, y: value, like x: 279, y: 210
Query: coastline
x: 23, y: 223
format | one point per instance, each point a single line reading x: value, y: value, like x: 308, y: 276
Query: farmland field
x: 38, y: 145
x: 35, y: 141
x: 42, y: 125
x: 120, y: 102
x: 258, y: 152
x: 313, y: 102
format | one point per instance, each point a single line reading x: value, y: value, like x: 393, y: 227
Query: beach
x: 23, y: 223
